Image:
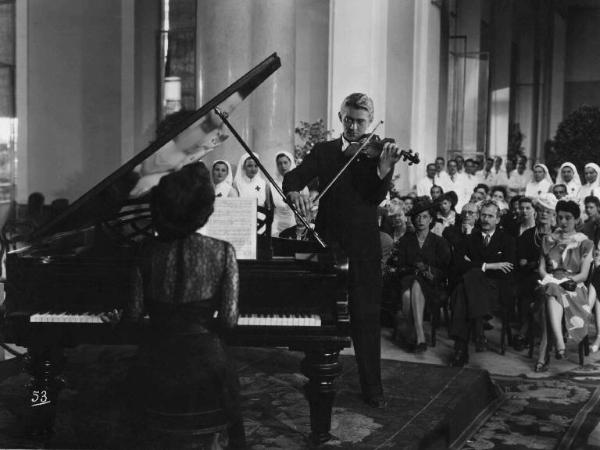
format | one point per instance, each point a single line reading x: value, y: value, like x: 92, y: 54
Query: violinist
x: 347, y: 217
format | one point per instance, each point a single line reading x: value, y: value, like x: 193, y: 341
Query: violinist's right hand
x: 303, y: 203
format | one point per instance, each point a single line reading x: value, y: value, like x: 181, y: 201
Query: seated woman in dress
x: 529, y: 246
x: 420, y: 260
x: 564, y: 267
x: 223, y: 179
x: 182, y: 279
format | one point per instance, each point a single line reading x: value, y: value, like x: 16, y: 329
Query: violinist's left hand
x: 389, y: 156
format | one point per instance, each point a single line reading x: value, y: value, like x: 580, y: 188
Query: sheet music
x: 234, y: 221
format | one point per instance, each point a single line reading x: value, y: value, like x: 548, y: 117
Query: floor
x: 512, y: 363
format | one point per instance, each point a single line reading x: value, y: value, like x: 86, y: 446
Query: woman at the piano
x: 184, y: 277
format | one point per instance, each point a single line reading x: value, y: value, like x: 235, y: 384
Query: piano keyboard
x: 65, y: 317
x: 277, y: 320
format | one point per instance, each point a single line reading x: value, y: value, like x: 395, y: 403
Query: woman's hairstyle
x: 182, y: 202
x: 451, y: 197
x: 499, y: 189
x: 568, y: 206
x: 483, y: 186
x: 526, y: 199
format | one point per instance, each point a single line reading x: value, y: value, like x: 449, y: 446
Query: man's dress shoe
x: 377, y: 401
x: 460, y: 358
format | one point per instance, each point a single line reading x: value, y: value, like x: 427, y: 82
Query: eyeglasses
x: 349, y: 121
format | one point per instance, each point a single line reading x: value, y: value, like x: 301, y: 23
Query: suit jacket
x: 458, y: 246
x: 501, y: 248
x: 347, y: 213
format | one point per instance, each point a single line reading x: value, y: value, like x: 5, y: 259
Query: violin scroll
x: 408, y: 155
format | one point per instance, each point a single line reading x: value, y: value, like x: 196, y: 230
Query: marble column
x: 223, y: 37
x: 425, y: 89
x: 357, y: 55
x: 272, y: 104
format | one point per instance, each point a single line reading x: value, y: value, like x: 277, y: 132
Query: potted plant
x: 307, y: 135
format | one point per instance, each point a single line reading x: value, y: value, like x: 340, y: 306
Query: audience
x: 592, y: 183
x: 564, y: 268
x: 445, y: 214
x: 222, y: 178
x: 529, y: 245
x: 567, y: 175
x: 426, y: 183
x: 283, y: 216
x: 560, y: 191
x: 436, y: 192
x: 485, y: 285
x: 591, y: 226
x: 499, y: 195
x: 420, y: 260
x: 523, y: 247
x: 541, y: 182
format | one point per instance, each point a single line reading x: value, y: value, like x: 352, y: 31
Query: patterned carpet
x: 429, y: 405
x: 561, y: 412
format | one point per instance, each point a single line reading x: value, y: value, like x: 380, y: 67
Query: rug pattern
x: 558, y: 412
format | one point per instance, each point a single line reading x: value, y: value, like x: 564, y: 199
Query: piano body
x: 79, y: 264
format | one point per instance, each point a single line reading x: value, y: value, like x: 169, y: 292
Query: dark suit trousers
x: 475, y: 298
x: 365, y: 287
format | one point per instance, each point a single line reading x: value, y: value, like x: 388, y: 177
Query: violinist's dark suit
x: 347, y: 217
x: 481, y: 293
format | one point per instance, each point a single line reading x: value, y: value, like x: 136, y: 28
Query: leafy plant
x: 577, y: 138
x: 309, y: 134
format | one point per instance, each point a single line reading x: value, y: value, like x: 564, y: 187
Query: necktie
x: 486, y: 240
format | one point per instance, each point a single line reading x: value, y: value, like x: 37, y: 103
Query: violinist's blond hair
x: 358, y: 100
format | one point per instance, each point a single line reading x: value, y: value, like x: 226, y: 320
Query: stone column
x: 357, y: 55
x: 272, y: 104
x: 223, y: 34
x: 425, y: 88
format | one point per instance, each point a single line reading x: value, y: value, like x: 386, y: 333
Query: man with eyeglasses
x: 347, y: 217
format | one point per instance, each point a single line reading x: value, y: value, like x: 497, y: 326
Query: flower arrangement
x: 309, y: 134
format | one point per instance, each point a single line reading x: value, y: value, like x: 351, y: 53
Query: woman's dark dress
x: 184, y: 365
x: 435, y: 254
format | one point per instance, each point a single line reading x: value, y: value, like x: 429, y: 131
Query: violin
x: 371, y: 146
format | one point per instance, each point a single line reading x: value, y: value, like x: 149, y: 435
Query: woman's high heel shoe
x: 561, y: 353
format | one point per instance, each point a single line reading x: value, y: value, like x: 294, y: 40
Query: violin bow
x: 343, y: 169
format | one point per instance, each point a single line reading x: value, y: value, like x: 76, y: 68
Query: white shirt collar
x: 483, y: 233
x: 345, y: 143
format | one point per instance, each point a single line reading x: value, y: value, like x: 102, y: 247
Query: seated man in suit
x: 485, y: 286
x: 457, y: 236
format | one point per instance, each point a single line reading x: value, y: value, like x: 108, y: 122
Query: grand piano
x: 78, y: 266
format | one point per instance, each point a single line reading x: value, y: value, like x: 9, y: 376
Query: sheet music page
x: 234, y: 221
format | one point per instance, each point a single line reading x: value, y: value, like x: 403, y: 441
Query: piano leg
x: 44, y: 365
x: 321, y: 368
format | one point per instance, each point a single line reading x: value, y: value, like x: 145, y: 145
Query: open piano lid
x: 107, y: 198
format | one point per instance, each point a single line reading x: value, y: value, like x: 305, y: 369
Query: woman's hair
x: 182, y: 202
x: 451, y: 197
x: 568, y: 206
x: 499, y: 189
